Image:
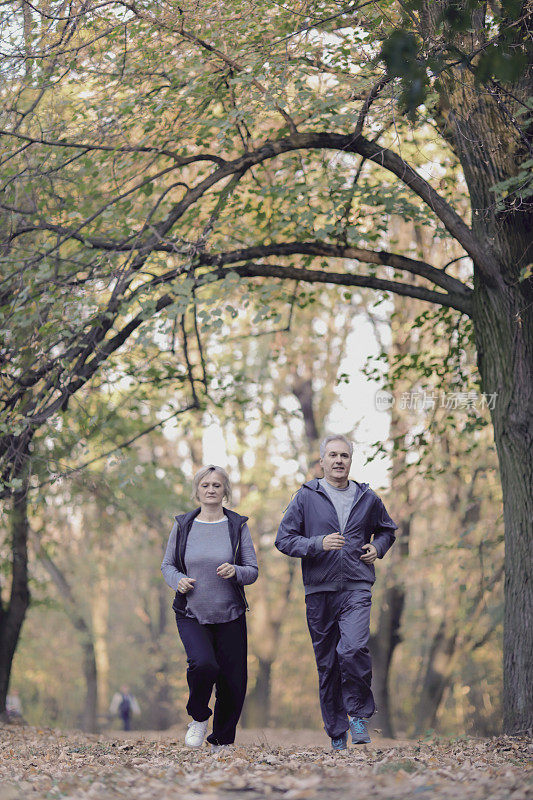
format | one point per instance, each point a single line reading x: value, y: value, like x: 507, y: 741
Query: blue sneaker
x: 341, y: 742
x: 359, y: 730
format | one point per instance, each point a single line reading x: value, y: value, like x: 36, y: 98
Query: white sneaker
x: 196, y: 733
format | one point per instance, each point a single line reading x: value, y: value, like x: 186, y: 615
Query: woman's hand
x: 186, y: 584
x: 226, y: 570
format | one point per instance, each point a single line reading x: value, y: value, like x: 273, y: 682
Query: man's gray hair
x: 333, y: 438
x: 200, y: 475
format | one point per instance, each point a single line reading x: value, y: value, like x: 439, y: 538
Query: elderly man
x: 329, y: 524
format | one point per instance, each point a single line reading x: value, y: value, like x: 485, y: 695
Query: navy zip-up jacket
x: 311, y: 515
x: 236, y: 522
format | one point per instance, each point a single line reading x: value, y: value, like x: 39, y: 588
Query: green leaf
x: 526, y: 273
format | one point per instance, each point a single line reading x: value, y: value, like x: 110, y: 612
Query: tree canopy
x: 159, y: 158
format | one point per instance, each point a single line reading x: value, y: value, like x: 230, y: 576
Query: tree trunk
x: 269, y: 617
x: 12, y: 615
x: 89, y: 720
x: 456, y: 636
x: 160, y: 711
x: 161, y: 714
x: 257, y: 709
x: 515, y: 452
x: 436, y: 678
x: 504, y: 335
x: 491, y: 149
x: 100, y: 624
x: 302, y: 388
x: 383, y: 645
x: 164, y: 705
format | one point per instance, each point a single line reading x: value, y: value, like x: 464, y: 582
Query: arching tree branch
x: 485, y: 262
x: 250, y: 270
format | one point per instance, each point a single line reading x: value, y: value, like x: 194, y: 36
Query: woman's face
x: 211, y: 489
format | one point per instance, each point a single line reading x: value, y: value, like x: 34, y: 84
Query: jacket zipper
x: 239, y: 587
x: 354, y: 505
x: 346, y: 525
x: 323, y: 492
x: 330, y: 501
x: 180, y: 532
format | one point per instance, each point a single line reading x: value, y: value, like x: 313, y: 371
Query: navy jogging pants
x: 339, y: 624
x: 216, y: 658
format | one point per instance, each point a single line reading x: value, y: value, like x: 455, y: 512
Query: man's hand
x: 370, y: 556
x: 333, y: 541
x: 186, y: 584
x: 226, y: 570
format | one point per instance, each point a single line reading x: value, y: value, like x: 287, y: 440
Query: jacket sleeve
x: 171, y: 573
x: 246, y: 572
x: 383, y: 529
x: 290, y: 538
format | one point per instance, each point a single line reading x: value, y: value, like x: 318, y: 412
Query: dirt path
x: 53, y: 764
x: 267, y: 737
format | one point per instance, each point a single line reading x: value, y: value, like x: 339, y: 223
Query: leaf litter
x: 46, y: 763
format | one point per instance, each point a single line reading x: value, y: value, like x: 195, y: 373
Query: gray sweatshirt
x: 342, y: 499
x: 213, y: 599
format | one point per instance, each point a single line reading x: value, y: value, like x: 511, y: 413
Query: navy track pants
x: 216, y: 657
x: 339, y: 624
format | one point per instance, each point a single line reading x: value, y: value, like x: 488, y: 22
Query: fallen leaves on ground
x: 53, y: 764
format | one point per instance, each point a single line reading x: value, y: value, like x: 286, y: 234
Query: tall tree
x: 89, y: 717
x: 225, y: 147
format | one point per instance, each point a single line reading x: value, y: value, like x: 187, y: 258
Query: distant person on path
x: 210, y: 556
x: 125, y: 705
x: 13, y: 706
x: 329, y: 524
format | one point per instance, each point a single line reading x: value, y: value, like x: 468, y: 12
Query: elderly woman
x: 209, y: 558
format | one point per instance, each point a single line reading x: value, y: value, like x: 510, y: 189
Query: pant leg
x: 324, y: 630
x: 202, y: 669
x: 231, y: 651
x: 352, y: 649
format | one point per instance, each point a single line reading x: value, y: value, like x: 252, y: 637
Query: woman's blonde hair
x: 200, y: 475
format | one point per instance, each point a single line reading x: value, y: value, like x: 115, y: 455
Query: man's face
x: 337, y: 461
